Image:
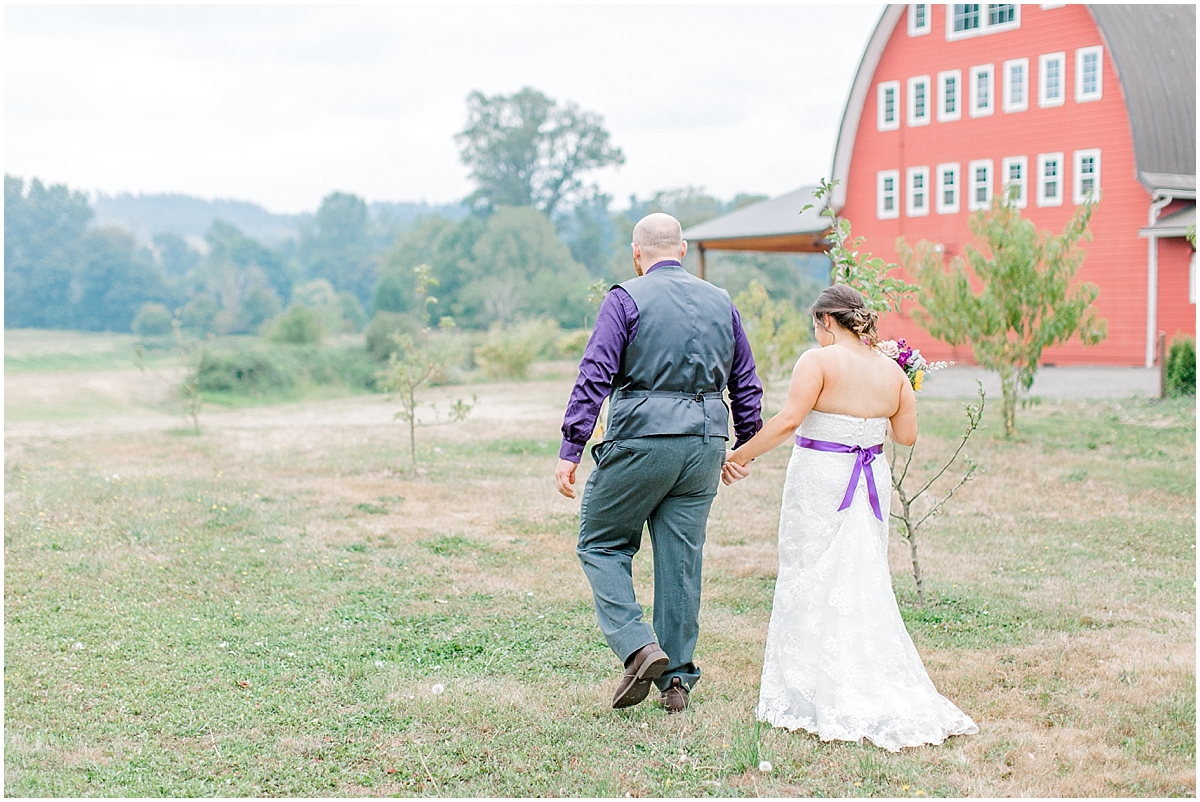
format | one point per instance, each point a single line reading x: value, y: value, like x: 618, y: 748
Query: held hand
x: 732, y: 472
x: 565, y: 477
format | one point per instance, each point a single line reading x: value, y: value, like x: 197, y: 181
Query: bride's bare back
x: 858, y: 380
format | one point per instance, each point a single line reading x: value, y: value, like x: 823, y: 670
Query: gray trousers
x: 667, y: 482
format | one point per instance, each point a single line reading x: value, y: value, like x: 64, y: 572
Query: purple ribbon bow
x: 865, y: 456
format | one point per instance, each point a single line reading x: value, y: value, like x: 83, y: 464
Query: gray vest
x: 673, y: 373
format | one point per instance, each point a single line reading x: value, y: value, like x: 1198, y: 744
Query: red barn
x: 954, y: 103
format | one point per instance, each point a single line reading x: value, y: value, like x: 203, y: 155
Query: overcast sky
x: 283, y: 104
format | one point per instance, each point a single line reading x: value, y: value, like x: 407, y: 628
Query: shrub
x: 251, y: 372
x: 299, y: 325
x: 152, y: 320
x: 285, y: 370
x: 1181, y: 367
x: 507, y: 353
x: 572, y: 344
x: 382, y: 330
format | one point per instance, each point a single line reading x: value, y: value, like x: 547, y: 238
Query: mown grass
x: 272, y: 610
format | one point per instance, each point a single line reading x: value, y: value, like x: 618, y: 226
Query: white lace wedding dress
x: 839, y: 662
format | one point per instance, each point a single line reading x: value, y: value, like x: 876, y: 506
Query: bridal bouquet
x: 910, y: 359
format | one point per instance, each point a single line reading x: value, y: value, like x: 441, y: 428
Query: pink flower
x: 888, y: 348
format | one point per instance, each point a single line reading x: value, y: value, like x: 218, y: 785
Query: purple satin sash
x: 862, y: 464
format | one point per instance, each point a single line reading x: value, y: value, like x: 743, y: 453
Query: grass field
x: 271, y: 607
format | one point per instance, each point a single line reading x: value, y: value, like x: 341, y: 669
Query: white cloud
x: 283, y: 104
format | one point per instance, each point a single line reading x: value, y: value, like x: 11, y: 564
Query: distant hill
x: 190, y: 217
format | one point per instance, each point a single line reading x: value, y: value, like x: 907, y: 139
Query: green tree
x: 174, y: 254
x: 44, y: 229
x: 337, y: 246
x: 113, y: 281
x: 521, y: 268
x: 526, y: 149
x: 1027, y: 301
x: 393, y: 291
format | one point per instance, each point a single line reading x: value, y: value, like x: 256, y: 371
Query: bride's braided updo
x: 845, y: 305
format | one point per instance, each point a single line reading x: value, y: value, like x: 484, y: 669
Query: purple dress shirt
x: 616, y: 326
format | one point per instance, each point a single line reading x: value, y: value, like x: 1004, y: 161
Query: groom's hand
x: 565, y: 476
x: 732, y: 472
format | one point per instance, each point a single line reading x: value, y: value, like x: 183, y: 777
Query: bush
x: 251, y: 372
x: 299, y: 325
x: 1181, y: 367
x: 572, y: 344
x: 380, y: 331
x: 285, y: 370
x: 507, y: 353
x: 152, y: 320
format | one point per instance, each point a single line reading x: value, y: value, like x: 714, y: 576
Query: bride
x: 839, y: 662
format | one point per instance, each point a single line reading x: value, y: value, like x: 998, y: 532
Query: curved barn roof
x: 1153, y: 49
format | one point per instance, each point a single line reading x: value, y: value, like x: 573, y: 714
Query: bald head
x: 658, y: 234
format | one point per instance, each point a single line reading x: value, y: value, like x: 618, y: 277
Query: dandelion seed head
x: 438, y: 689
x: 765, y: 767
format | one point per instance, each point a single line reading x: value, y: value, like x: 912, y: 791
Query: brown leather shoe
x: 675, y: 698
x: 645, y: 664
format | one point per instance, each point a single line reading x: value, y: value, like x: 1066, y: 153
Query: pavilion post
x: 699, y: 260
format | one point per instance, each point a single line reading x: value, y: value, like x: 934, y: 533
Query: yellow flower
x: 920, y: 377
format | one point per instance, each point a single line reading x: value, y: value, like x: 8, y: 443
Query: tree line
x: 539, y: 239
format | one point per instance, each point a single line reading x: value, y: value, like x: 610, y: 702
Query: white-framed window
x: 1089, y: 74
x: 949, y: 95
x: 979, y: 178
x: 1049, y: 179
x: 1192, y: 279
x: 917, y: 197
x: 918, y: 19
x: 1052, y: 77
x: 1016, y: 85
x: 918, y: 100
x: 1087, y: 175
x: 983, y: 101
x: 976, y: 19
x: 947, y: 188
x: 887, y: 194
x: 889, y: 106
x: 1014, y: 172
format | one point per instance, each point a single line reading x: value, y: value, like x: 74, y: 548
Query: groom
x: 666, y: 344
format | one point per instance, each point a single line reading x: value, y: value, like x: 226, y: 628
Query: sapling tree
x: 1028, y: 299
x: 413, y: 364
x: 884, y: 293
x: 191, y: 358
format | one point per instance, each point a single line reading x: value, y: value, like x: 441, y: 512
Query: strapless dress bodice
x: 845, y: 429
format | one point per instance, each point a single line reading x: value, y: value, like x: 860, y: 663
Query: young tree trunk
x: 1009, y: 386
x: 412, y: 426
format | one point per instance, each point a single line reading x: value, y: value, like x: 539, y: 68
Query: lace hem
x: 890, y: 741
